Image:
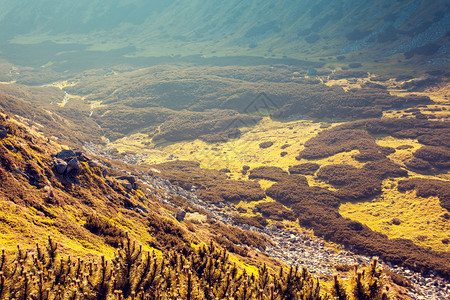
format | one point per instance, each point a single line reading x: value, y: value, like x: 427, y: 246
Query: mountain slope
x: 98, y: 207
x: 290, y: 28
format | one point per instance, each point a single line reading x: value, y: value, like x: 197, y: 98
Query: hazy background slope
x: 289, y: 28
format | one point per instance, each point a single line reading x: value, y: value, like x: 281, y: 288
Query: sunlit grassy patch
x: 233, y: 154
x: 250, y: 205
x: 420, y: 218
x: 248, y: 268
x: 265, y: 184
x: 400, y: 155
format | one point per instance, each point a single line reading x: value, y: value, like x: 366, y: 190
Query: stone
x: 3, y: 133
x: 73, y: 166
x: 181, y: 214
x: 60, y: 166
x: 92, y: 164
x: 130, y: 179
x: 83, y: 157
x: 127, y: 185
x: 64, y: 154
x: 141, y: 209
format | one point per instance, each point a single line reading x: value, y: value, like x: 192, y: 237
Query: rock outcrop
x: 67, y: 162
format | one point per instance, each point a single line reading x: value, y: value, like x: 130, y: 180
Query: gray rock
x: 64, y: 154
x: 127, y: 185
x: 60, y: 166
x: 73, y: 166
x: 181, y: 214
x: 130, y: 179
x: 3, y: 133
x: 141, y: 209
x: 92, y: 164
x: 83, y: 157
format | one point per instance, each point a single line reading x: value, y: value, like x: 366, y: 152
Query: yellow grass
x: 421, y: 218
x: 233, y: 154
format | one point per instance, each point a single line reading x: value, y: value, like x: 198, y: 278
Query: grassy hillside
x: 374, y: 32
x: 272, y: 130
x: 100, y: 231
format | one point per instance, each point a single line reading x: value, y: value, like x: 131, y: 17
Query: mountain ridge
x: 294, y: 29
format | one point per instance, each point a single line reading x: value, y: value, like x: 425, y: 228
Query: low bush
x: 304, y: 169
x: 269, y: 173
x: 238, y: 236
x: 255, y: 221
x: 113, y: 235
x: 265, y: 145
x: 331, y: 142
x: 167, y: 235
x: 438, y: 157
x: 275, y: 211
x: 204, y: 273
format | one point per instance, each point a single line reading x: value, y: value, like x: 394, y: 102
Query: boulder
x: 64, y: 154
x: 83, y: 157
x: 141, y: 209
x: 73, y: 166
x: 3, y: 132
x: 60, y: 166
x: 127, y: 185
x: 10, y: 148
x: 181, y: 214
x: 130, y: 179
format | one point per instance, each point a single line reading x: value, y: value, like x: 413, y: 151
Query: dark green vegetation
x: 38, y: 106
x: 192, y: 125
x: 205, y: 273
